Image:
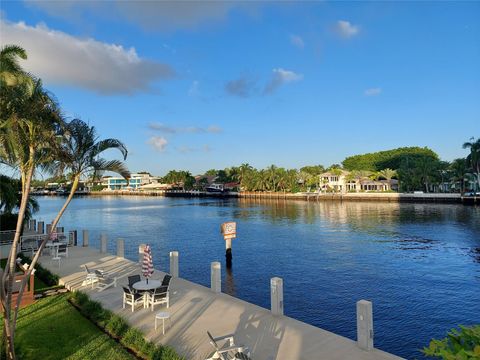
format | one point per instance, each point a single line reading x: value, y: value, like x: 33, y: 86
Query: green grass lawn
x: 53, y: 329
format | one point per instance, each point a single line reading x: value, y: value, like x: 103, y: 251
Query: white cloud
x: 346, y: 29
x: 63, y: 59
x: 297, y: 41
x: 182, y: 130
x: 159, y: 143
x: 163, y: 15
x: 281, y: 76
x: 373, y: 92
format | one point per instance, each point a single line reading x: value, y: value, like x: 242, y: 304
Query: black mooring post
x: 228, y: 257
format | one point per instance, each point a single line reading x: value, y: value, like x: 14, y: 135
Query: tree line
x: 35, y: 136
x: 416, y: 169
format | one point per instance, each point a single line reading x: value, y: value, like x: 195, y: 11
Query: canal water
x: 418, y: 263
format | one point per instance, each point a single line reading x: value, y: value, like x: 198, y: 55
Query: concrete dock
x: 194, y: 309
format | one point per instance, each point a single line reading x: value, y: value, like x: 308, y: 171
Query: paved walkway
x: 195, y: 309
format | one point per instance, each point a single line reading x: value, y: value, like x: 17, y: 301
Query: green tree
x: 387, y: 174
x: 473, y: 159
x: 313, y: 170
x: 243, y: 171
x: 29, y: 125
x: 459, y: 169
x: 11, y: 73
x: 180, y: 178
x: 211, y: 172
x: 11, y: 198
x: 386, y: 159
x: 79, y: 153
x: 463, y: 344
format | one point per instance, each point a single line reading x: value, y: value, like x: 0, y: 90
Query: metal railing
x: 6, y: 237
x: 32, y: 242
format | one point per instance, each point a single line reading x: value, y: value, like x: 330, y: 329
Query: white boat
x: 61, y: 191
x: 215, y: 188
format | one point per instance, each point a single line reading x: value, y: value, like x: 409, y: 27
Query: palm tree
x: 387, y: 174
x: 11, y: 197
x: 272, y: 177
x: 473, y: 159
x: 459, y: 170
x: 8, y: 198
x: 79, y: 154
x: 30, y: 120
x: 243, y: 170
x: 11, y: 72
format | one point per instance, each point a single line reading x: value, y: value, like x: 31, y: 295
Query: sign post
x: 229, y: 232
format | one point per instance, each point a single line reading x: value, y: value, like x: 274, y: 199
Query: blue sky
x: 200, y: 85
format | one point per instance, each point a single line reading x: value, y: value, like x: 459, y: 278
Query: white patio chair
x: 104, y: 281
x: 160, y: 295
x: 91, y: 277
x: 62, y: 250
x: 131, y: 298
x: 228, y: 350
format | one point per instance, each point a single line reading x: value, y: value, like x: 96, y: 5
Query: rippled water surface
x: 418, y: 263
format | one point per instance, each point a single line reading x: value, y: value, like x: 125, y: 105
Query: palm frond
x: 106, y: 144
x: 115, y: 166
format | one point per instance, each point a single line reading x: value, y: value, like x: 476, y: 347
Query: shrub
x: 166, y: 353
x: 459, y: 344
x: 133, y: 339
x: 94, y: 310
x: 116, y: 326
x: 80, y: 298
x: 148, y: 349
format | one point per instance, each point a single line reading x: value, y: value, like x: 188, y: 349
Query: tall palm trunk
x: 478, y: 176
x: 9, y: 326
x: 42, y: 245
x: 76, y: 180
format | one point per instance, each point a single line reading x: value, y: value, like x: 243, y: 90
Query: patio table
x: 145, y: 287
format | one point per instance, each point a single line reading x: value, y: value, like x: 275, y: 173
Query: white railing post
x: 103, y: 243
x: 85, y: 238
x: 32, y: 225
x: 40, y: 227
x: 365, y: 325
x: 72, y: 237
x: 216, y: 278
x: 174, y: 263
x: 120, y: 248
x: 276, y: 295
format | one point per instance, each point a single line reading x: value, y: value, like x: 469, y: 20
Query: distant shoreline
x: 388, y: 197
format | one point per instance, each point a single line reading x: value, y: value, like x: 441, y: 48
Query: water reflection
x: 230, y: 282
x: 380, y: 220
x: 418, y: 263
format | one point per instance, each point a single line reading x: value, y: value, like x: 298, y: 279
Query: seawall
x: 388, y: 197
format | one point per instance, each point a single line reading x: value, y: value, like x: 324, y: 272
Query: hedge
x: 118, y: 328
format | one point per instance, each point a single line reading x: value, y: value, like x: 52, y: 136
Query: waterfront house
x: 342, y: 181
x: 334, y: 180
x: 134, y: 182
